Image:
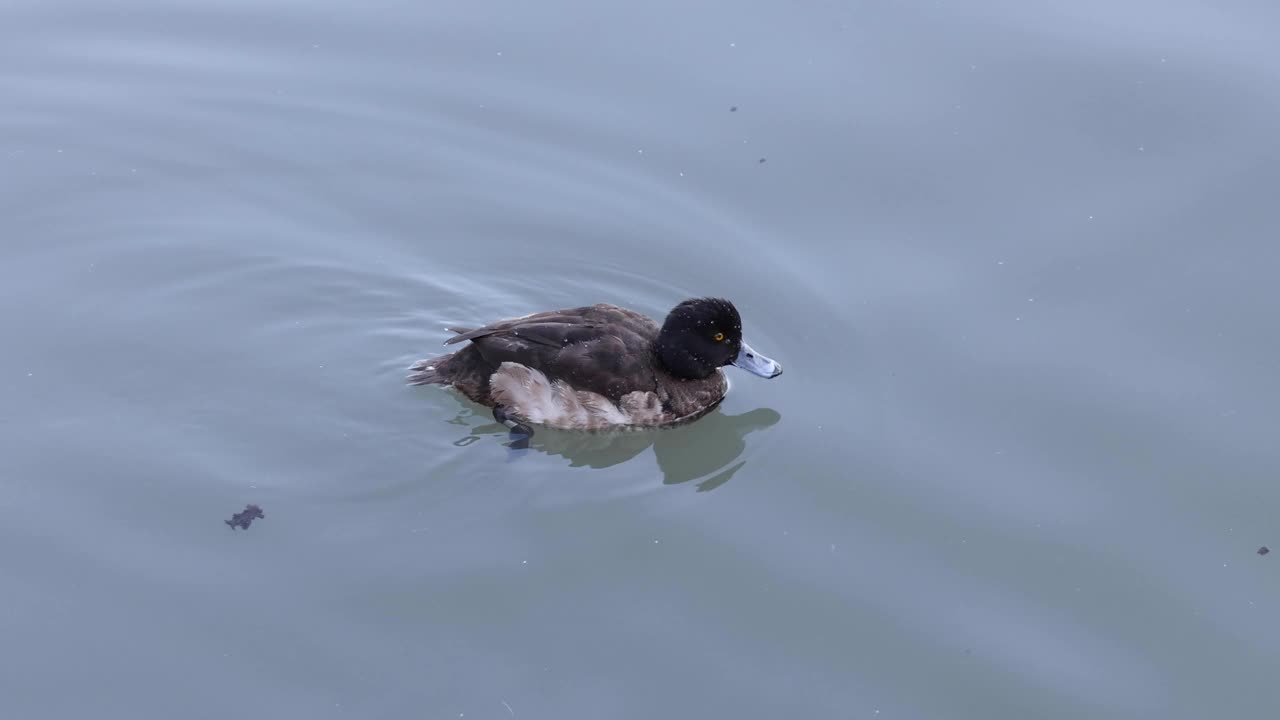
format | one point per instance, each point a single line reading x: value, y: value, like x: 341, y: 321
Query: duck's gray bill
x: 754, y: 362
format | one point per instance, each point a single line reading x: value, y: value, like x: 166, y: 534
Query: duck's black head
x: 704, y: 334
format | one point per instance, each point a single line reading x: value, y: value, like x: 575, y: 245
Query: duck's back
x: 603, y: 349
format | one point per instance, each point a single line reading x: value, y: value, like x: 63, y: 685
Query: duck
x: 598, y: 367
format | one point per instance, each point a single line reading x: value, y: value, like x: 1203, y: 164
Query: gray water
x: 1018, y: 259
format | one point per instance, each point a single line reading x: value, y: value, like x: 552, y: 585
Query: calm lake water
x: 1018, y: 259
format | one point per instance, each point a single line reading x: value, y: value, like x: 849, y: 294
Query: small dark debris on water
x: 245, y: 517
x: 762, y: 160
x: 1264, y: 550
x: 733, y: 109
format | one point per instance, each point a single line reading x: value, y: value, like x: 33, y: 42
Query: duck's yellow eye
x: 719, y: 337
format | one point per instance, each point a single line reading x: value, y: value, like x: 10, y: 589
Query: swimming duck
x: 599, y: 367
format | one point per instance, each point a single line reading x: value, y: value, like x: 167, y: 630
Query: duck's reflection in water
x: 707, y: 449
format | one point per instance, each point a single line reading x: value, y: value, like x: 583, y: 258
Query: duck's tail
x: 429, y: 372
x: 434, y: 371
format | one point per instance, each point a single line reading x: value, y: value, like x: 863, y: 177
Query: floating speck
x: 733, y: 109
x: 1264, y: 550
x: 762, y: 160
x: 245, y: 518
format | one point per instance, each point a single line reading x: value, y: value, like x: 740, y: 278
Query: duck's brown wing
x: 601, y: 348
x: 552, y: 318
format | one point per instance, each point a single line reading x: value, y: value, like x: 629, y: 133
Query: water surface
x: 1017, y: 257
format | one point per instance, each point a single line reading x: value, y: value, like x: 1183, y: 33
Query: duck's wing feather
x: 526, y: 323
x: 552, y: 327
